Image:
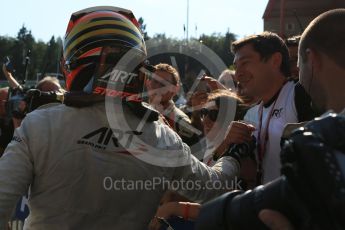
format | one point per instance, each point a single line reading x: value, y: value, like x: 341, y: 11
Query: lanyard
x: 263, y: 133
x: 263, y: 136
x: 262, y: 142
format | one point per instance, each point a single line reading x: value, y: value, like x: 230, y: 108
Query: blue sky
x: 47, y: 17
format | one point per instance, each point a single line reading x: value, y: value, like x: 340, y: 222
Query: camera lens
x: 240, y: 209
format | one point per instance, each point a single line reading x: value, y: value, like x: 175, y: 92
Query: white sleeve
x: 200, y: 183
x: 16, y: 174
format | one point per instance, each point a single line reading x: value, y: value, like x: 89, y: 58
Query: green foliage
x: 44, y: 57
x: 143, y: 28
x: 221, y: 45
x: 188, y: 67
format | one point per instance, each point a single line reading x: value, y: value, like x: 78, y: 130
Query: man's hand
x: 4, y: 70
x: 11, y: 80
x: 275, y: 220
x: 239, y: 132
x: 213, y: 84
x: 164, y: 211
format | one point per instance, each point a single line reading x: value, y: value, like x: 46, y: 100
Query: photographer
x: 15, y: 88
x: 20, y: 100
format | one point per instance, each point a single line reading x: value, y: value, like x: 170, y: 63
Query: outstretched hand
x: 214, y: 84
x: 275, y: 220
x: 239, y: 132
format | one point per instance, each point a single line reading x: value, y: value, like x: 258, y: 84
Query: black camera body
x: 36, y: 98
x: 242, y: 150
x: 310, y: 192
x: 14, y: 104
x: 22, y: 100
x: 32, y: 99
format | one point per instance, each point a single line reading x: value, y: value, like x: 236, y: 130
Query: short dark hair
x: 266, y: 44
x: 326, y: 33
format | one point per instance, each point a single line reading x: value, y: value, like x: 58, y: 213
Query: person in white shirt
x: 262, y: 68
x: 162, y: 86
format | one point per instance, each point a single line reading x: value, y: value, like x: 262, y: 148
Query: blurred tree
x: 21, y: 48
x: 221, y: 45
x: 51, y: 57
x: 45, y: 56
x: 143, y: 28
x: 6, y: 44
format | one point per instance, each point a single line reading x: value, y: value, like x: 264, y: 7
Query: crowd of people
x: 118, y: 125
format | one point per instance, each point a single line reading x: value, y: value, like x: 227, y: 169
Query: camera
x: 8, y: 64
x: 242, y: 150
x: 24, y: 100
x: 15, y: 105
x: 35, y: 98
x: 310, y: 192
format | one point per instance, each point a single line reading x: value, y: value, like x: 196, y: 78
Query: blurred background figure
x: 292, y: 44
x: 222, y: 134
x: 227, y: 79
x: 19, y: 101
x: 162, y: 86
x: 49, y: 83
x: 6, y: 128
x: 3, y: 100
x: 196, y: 98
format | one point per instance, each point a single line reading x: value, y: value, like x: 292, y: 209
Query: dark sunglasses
x: 211, y: 113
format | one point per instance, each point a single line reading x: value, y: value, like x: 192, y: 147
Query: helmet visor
x: 118, y: 73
